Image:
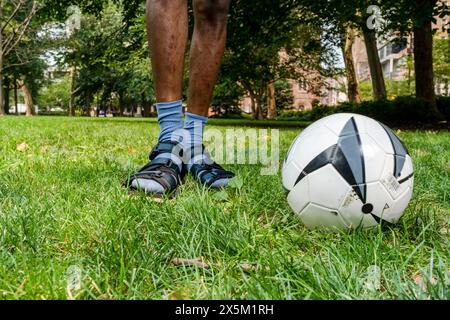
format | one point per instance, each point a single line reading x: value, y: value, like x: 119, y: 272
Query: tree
x: 55, y: 94
x: 283, y: 95
x: 15, y: 19
x: 227, y: 97
x: 109, y: 63
x: 270, y: 40
x: 347, y: 42
x: 423, y: 49
x: 417, y: 16
x: 376, y: 71
x: 340, y: 15
x: 271, y: 101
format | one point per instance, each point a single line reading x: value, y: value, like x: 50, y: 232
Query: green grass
x: 62, y: 206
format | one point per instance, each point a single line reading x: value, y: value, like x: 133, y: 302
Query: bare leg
x: 167, y: 26
x: 208, y: 45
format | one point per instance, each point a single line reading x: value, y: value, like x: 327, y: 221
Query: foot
x: 207, y: 172
x: 163, y: 174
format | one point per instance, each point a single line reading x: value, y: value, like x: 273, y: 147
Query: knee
x: 214, y: 12
x: 165, y: 5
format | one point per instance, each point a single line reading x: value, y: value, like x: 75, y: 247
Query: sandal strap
x: 162, y: 170
x: 166, y: 147
x: 207, y: 174
x: 167, y: 178
x: 156, y: 164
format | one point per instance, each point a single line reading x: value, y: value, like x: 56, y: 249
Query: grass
x: 62, y: 208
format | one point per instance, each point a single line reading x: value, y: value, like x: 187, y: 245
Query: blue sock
x: 170, y: 119
x: 195, y: 126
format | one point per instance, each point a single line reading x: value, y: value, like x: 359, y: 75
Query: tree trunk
x: 6, y: 94
x: 271, y: 102
x: 2, y: 98
x: 87, y: 106
x: 28, y: 99
x: 353, y: 91
x: 121, y: 105
x: 72, y: 93
x: 258, y: 108
x: 423, y: 61
x: 253, y: 103
x: 376, y: 71
x: 16, y: 99
x: 2, y: 109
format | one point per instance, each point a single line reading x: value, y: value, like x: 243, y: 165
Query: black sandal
x: 209, y: 173
x: 163, y: 170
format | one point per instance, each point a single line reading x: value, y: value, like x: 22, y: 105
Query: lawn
x: 64, y: 215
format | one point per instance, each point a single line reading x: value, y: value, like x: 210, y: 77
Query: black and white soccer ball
x: 348, y: 171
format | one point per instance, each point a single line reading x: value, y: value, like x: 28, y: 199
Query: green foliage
x: 400, y: 111
x: 259, y: 31
x: 283, y: 95
x: 23, y: 45
x: 227, y: 97
x: 111, y: 62
x: 394, y: 88
x: 55, y: 95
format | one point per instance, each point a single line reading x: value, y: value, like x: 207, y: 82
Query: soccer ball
x: 348, y: 171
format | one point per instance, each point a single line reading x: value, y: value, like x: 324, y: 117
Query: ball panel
x: 393, y: 185
x: 298, y: 197
x: 327, y: 187
x: 318, y: 124
x: 374, y: 159
x: 408, y: 169
x: 290, y: 174
x: 396, y: 211
x: 312, y: 145
x: 336, y: 123
x: 376, y: 131
x: 318, y: 217
x: 353, y: 209
x: 292, y: 152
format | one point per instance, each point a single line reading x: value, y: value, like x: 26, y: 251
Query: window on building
x: 381, y: 53
x: 388, y: 50
x: 398, y: 47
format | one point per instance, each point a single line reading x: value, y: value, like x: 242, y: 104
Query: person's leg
x: 167, y: 25
x: 207, y: 48
x: 167, y: 30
